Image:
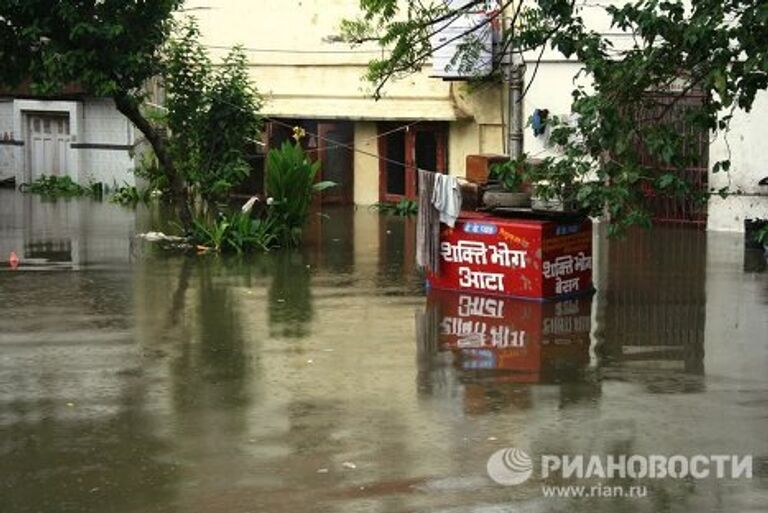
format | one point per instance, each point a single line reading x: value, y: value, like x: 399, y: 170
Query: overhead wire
x: 336, y: 144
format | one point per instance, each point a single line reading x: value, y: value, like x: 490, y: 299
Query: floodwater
x: 328, y: 380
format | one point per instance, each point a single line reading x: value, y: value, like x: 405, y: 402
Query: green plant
x: 212, y: 114
x: 290, y: 182
x: 62, y: 186
x: 511, y: 174
x: 149, y: 170
x: 95, y: 190
x: 238, y: 232
x: 127, y: 195
x: 761, y: 235
x: 403, y: 208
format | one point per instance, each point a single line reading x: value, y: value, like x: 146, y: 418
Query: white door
x: 48, y: 145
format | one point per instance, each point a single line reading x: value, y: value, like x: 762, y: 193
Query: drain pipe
x: 514, y: 74
x: 515, y: 87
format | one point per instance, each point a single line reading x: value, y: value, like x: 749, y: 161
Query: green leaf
x: 324, y: 185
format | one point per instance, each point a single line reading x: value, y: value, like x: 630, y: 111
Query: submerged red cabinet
x: 526, y: 258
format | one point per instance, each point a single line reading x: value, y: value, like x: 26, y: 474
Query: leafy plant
x: 761, y: 235
x: 149, y: 170
x: 403, y: 208
x: 128, y: 195
x: 511, y: 174
x: 290, y: 183
x: 61, y: 186
x: 95, y: 190
x: 237, y: 232
x: 290, y: 180
x: 212, y: 114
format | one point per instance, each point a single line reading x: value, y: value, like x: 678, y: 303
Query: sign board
x: 532, y: 259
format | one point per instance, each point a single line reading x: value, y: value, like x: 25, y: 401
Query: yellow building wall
x: 304, y: 75
x: 366, y: 166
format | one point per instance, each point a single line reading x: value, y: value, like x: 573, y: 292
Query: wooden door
x: 48, y: 142
x: 336, y: 157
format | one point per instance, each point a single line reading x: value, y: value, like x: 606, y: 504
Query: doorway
x: 331, y: 143
x: 335, y: 153
x: 48, y: 143
x: 404, y: 149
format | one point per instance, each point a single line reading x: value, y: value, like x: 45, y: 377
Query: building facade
x: 72, y: 135
x: 371, y: 148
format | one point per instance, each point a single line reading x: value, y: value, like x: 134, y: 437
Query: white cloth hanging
x: 446, y: 198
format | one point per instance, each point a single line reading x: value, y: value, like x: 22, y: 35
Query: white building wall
x: 108, y: 139
x: 8, y: 140
x: 749, y: 164
x: 102, y: 140
x: 552, y: 89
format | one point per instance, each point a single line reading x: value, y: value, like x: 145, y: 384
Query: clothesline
x: 339, y: 144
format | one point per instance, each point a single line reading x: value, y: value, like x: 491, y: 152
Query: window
x: 405, y: 148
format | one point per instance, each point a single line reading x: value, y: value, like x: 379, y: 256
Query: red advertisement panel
x: 515, y: 257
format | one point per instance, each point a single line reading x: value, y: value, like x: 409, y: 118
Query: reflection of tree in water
x: 290, y: 297
x: 213, y: 360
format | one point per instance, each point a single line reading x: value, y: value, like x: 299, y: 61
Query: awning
x: 361, y: 109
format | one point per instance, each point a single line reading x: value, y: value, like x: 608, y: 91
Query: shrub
x: 238, y: 232
x: 290, y: 181
x: 212, y: 114
x: 128, y: 195
x: 61, y: 186
x: 403, y: 208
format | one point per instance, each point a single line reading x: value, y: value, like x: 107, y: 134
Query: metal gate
x: 668, y: 208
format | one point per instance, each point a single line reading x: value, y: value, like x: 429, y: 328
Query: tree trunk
x: 129, y: 107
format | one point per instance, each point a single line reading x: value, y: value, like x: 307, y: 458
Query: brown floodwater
x: 329, y: 380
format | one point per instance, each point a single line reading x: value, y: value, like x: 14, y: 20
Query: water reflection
x: 290, y: 296
x: 63, y: 234
x: 653, y: 326
x: 509, y: 340
x: 491, y: 348
x: 299, y: 382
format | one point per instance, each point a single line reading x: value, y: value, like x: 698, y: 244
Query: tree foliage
x: 112, y: 48
x: 109, y: 48
x: 715, y: 48
x: 212, y: 114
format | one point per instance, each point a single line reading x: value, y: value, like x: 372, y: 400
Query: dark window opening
x: 395, y: 170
